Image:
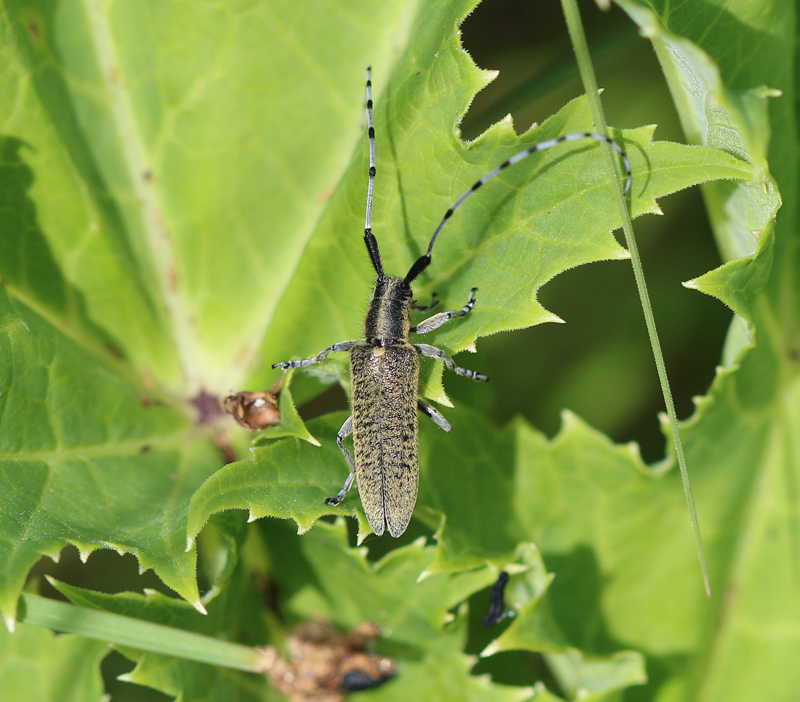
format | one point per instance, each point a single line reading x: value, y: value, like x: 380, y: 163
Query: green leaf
x: 183, y: 192
x: 86, y: 460
x: 35, y: 664
x: 231, y: 615
x: 729, y: 118
x: 742, y: 437
x: 479, y: 513
x: 354, y: 592
x: 288, y: 479
x: 291, y: 423
x: 152, y: 133
x: 535, y: 629
x: 139, y: 178
x: 415, y: 615
x: 535, y: 250
x: 507, y: 241
x: 615, y: 535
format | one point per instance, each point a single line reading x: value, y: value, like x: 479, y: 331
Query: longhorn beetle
x: 384, y: 366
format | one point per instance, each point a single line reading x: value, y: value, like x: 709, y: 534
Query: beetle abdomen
x: 385, y: 390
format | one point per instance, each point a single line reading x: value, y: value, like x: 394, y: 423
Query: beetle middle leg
x: 344, y: 432
x: 435, y: 415
x: 319, y: 358
x: 434, y: 352
x: 428, y: 325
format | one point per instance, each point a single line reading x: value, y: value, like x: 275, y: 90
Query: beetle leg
x: 433, y: 352
x: 344, y: 432
x: 424, y: 308
x: 336, y: 348
x: 435, y: 415
x: 437, y: 320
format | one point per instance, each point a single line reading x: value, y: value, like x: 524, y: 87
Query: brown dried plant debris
x: 325, y: 664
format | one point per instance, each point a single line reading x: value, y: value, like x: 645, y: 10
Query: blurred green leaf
x: 36, y: 664
x: 734, y: 120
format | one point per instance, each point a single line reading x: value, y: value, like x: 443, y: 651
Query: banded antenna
x: 424, y: 261
x: 369, y: 237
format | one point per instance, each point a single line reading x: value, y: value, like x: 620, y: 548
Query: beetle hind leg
x: 435, y: 415
x: 344, y: 432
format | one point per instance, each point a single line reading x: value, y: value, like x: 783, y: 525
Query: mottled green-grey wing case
x: 385, y: 391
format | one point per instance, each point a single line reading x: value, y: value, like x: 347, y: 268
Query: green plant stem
x: 145, y: 636
x: 575, y: 27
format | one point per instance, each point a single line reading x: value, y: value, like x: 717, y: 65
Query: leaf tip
x: 198, y: 605
x: 490, y: 650
x: 311, y: 440
x: 11, y: 624
x: 424, y: 574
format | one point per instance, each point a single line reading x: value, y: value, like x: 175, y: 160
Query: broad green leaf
x: 164, y: 151
x: 615, y: 535
x: 508, y: 240
x: 86, y: 459
x: 161, y: 182
x: 36, y: 664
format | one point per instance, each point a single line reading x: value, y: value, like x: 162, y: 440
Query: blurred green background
x: 599, y: 363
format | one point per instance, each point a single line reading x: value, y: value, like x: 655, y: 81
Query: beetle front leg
x: 428, y: 325
x: 433, y: 352
x: 336, y: 348
x: 344, y: 432
x: 425, y: 308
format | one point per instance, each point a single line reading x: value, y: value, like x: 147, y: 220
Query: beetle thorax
x: 388, y: 320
